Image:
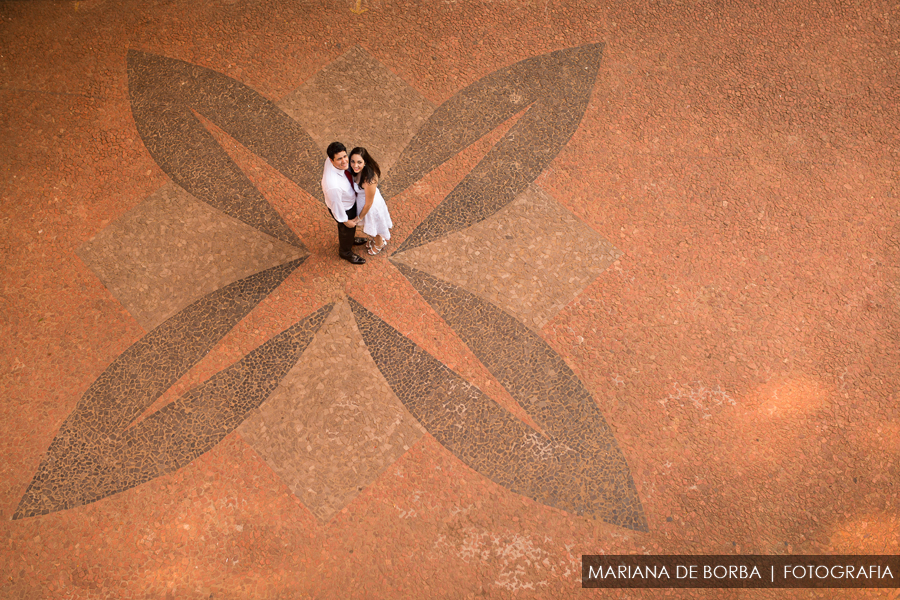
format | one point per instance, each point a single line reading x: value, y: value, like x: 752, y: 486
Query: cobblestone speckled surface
x: 724, y: 183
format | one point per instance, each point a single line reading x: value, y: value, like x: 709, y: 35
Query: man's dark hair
x: 335, y: 148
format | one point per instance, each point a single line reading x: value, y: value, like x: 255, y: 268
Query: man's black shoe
x: 360, y: 241
x: 355, y: 259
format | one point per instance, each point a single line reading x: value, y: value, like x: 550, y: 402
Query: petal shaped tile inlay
x: 164, y: 93
x: 557, y: 86
x: 82, y: 463
x: 578, y: 468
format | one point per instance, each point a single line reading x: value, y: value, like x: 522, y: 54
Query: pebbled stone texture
x: 531, y: 258
x: 742, y: 347
x: 172, y: 250
x: 333, y: 425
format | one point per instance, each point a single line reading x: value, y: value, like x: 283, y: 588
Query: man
x: 341, y: 201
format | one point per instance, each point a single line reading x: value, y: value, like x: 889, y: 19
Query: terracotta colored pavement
x: 711, y: 250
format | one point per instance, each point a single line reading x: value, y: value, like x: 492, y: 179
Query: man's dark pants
x: 346, y: 234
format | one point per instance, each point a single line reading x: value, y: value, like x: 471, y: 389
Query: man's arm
x: 333, y: 199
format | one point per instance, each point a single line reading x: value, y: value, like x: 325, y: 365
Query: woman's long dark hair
x: 370, y: 171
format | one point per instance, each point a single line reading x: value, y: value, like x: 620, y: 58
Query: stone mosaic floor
x: 641, y: 294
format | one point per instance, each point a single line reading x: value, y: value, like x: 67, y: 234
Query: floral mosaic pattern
x: 574, y: 464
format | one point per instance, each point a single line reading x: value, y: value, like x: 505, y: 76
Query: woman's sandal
x: 373, y: 249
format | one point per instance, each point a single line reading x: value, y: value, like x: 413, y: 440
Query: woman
x: 370, y: 205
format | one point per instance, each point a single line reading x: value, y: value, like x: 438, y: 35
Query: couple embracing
x: 350, y: 183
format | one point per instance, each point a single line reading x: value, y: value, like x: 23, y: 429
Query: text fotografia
x: 741, y: 572
x: 735, y: 571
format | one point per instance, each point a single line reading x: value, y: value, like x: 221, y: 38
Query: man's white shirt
x: 339, y: 194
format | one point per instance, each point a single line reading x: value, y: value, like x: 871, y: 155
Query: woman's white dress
x: 378, y: 220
